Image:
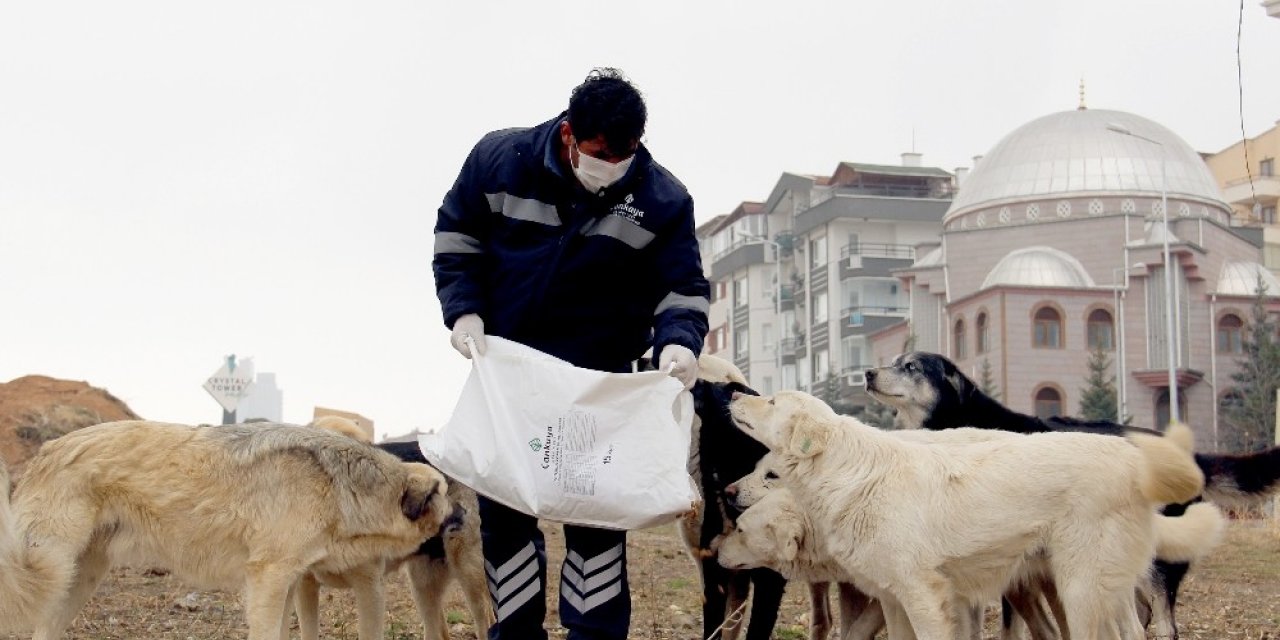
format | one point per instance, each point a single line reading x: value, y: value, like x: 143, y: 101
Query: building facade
x: 800, y: 280
x: 1053, y: 248
x: 1246, y: 173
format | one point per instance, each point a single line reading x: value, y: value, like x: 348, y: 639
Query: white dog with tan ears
x: 934, y: 525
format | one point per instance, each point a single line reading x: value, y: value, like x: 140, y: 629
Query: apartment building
x: 1246, y: 173
x: 800, y: 279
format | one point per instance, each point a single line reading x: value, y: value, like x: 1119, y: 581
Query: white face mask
x: 596, y: 174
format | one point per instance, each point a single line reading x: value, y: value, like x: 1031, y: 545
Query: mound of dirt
x: 34, y: 409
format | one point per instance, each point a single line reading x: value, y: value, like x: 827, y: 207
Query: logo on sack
x: 627, y: 212
x: 535, y: 444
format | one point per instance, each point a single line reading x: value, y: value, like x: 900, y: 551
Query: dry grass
x: 1235, y: 593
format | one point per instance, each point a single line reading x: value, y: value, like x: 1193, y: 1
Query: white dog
x: 933, y: 525
x: 774, y: 532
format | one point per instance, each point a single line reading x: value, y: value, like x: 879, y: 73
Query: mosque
x: 1054, y: 246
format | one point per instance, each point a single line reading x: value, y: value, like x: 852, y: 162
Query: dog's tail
x: 1240, y: 479
x: 1189, y: 537
x: 29, y: 580
x: 1170, y: 474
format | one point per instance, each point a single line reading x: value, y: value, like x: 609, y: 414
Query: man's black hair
x: 606, y: 103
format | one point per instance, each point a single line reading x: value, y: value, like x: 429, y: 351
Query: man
x: 569, y: 238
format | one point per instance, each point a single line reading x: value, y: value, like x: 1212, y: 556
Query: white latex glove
x: 471, y: 326
x: 686, y: 365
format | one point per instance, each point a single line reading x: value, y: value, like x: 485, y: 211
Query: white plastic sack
x: 563, y: 443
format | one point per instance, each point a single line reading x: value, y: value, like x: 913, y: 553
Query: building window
x: 1230, y: 334
x: 1048, y: 403
x: 1101, y: 331
x: 957, y: 342
x: 1048, y: 329
x: 821, y: 365
x: 817, y: 252
x: 1269, y: 215
x: 819, y: 307
x: 851, y: 352
x: 740, y: 346
x: 1267, y: 167
x: 740, y: 292
x: 980, y: 335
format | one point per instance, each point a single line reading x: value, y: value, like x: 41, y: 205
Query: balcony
x: 790, y: 345
x: 854, y: 376
x: 878, y: 250
x: 857, y: 316
x: 1239, y: 192
x: 786, y: 242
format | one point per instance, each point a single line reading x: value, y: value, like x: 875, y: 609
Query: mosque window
x: 1048, y: 402
x: 1230, y: 334
x: 981, y: 336
x: 1047, y: 329
x: 1100, y: 330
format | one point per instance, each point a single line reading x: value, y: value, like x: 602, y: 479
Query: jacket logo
x: 627, y: 212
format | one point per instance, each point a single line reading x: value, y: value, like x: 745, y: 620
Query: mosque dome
x: 1240, y: 278
x: 1038, y: 267
x: 1079, y: 153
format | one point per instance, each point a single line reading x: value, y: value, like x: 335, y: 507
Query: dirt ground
x: 1234, y: 593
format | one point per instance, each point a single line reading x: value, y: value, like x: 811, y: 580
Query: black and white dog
x: 724, y: 454
x: 720, y: 454
x: 930, y: 392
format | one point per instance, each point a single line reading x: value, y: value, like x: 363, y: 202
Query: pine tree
x: 879, y: 415
x: 987, y: 380
x: 1098, y: 400
x: 1250, y: 418
x: 831, y: 391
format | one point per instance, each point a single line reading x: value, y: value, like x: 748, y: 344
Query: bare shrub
x: 42, y: 425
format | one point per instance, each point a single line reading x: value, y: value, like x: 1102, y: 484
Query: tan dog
x: 454, y: 553
x: 932, y: 525
x: 247, y: 508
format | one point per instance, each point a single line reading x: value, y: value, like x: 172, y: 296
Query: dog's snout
x: 870, y: 375
x: 731, y: 491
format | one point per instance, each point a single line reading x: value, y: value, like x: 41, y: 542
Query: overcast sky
x: 180, y: 181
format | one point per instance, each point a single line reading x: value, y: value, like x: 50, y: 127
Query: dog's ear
x: 419, y: 491
x: 788, y: 534
x: 808, y: 436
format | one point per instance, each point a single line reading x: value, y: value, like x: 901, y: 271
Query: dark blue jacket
x: 592, y: 279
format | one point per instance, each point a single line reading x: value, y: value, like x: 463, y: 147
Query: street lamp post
x: 1118, y: 301
x: 1169, y: 303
